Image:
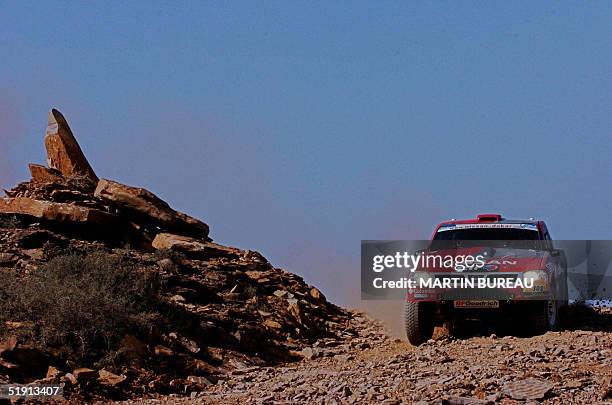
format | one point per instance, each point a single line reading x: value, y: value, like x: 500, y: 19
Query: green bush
x: 82, y: 305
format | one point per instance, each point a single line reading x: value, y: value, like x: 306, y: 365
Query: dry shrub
x: 9, y: 221
x: 82, y: 305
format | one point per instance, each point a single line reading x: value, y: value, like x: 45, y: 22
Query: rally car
x: 520, y: 250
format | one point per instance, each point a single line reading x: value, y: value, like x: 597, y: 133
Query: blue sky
x: 300, y: 128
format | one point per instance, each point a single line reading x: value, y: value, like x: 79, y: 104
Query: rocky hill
x: 111, y: 292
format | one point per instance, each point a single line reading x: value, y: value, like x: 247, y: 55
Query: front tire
x: 545, y: 316
x: 418, y: 322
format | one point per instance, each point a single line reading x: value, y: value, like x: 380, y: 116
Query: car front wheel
x: 419, y: 322
x: 545, y: 316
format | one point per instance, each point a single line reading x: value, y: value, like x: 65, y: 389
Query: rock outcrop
x: 63, y: 150
x: 148, y: 206
x: 191, y: 246
x: 216, y: 308
x: 55, y: 212
x: 70, y: 193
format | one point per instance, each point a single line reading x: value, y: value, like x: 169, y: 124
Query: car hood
x: 496, y: 259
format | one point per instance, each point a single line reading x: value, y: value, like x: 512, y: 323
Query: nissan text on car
x: 520, y: 250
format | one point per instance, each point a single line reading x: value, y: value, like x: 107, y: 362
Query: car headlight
x: 535, y: 281
x: 422, y: 278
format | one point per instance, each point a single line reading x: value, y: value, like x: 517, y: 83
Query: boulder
x: 110, y: 379
x: 311, y: 352
x: 187, y: 343
x: 317, y: 295
x: 64, y: 152
x: 149, y: 206
x: 71, y: 379
x: 54, y: 212
x: 192, y: 247
x: 200, y: 382
x: 163, y: 351
x: 84, y: 374
x: 176, y: 242
x: 201, y: 367
x: 272, y: 324
x: 42, y: 174
x: 53, y: 373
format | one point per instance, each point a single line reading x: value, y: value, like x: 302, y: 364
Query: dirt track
x: 572, y: 366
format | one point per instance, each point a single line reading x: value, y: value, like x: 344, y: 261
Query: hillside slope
x: 111, y: 292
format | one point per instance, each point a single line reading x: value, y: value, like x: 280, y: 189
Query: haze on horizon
x: 298, y: 129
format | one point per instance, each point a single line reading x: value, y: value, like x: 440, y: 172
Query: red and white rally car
x: 519, y: 250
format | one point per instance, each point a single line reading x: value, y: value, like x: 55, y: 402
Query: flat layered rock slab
x: 55, y: 212
x: 148, y: 205
x: 42, y: 174
x: 193, y: 247
x: 530, y: 388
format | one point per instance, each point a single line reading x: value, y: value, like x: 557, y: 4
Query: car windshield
x: 517, y: 237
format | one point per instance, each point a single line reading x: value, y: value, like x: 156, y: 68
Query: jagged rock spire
x: 63, y: 150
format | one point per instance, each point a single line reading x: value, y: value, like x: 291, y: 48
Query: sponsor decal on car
x: 452, y: 227
x: 476, y: 304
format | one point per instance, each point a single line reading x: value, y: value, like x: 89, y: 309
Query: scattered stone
x: 571, y: 384
x: 42, y: 174
x: 317, y: 295
x: 71, y: 379
x: 53, y: 373
x: 11, y: 325
x: 201, y: 382
x: 166, y: 264
x: 187, y: 343
x: 271, y: 323
x: 163, y: 351
x: 311, y: 352
x: 265, y: 314
x: 8, y: 259
x: 8, y: 365
x: 84, y: 374
x: 110, y: 379
x: 530, y: 388
x: 465, y: 401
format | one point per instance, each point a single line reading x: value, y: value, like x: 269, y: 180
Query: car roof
x: 488, y: 219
